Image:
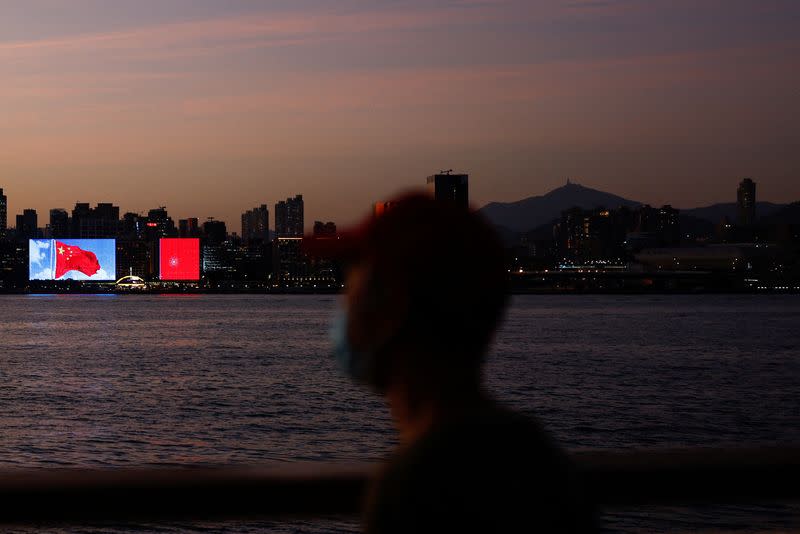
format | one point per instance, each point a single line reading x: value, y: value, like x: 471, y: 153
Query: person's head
x: 425, y: 290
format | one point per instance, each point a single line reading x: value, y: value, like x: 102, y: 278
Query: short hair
x: 449, y: 262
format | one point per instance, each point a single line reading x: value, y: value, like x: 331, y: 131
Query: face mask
x: 349, y: 359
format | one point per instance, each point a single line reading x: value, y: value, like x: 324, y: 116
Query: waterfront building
x: 289, y: 217
x: 290, y: 265
x: 133, y: 226
x: 135, y: 257
x: 28, y: 224
x: 189, y: 227
x: 59, y: 223
x: 214, y: 232
x: 159, y: 224
x: 658, y: 226
x: 3, y: 214
x: 100, y: 222
x: 255, y: 225
x: 746, y: 202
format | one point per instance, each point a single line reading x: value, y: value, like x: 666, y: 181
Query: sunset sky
x: 211, y: 107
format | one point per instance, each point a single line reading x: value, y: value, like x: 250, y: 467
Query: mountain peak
x: 523, y: 215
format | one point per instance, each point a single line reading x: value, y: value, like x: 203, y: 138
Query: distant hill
x: 788, y: 214
x: 532, y: 212
x: 716, y: 212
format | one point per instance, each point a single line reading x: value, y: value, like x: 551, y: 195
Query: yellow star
x: 61, y: 250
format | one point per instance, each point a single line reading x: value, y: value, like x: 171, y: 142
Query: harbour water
x: 163, y: 380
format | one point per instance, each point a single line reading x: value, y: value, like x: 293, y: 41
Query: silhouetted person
x: 426, y: 288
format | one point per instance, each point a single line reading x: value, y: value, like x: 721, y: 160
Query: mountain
x: 788, y: 214
x: 532, y: 212
x: 716, y: 212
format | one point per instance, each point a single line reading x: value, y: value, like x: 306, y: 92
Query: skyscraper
x: 160, y: 224
x: 28, y: 224
x: 59, y: 223
x: 132, y: 226
x: 746, y: 202
x: 215, y: 232
x: 3, y: 214
x: 289, y: 218
x: 99, y: 222
x: 189, y: 227
x: 450, y: 187
x: 255, y: 225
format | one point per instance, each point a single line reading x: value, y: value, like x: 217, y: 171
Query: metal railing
x: 308, y: 490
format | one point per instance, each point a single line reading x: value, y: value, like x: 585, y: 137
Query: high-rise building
x: 59, y: 223
x: 657, y: 227
x: 189, y: 227
x: 81, y: 211
x: 290, y: 265
x: 255, y: 225
x: 289, y: 218
x: 669, y: 226
x: 133, y: 226
x: 215, y: 232
x: 746, y: 202
x: 3, y: 214
x: 450, y: 187
x: 99, y: 222
x: 160, y: 224
x: 135, y: 257
x: 28, y: 224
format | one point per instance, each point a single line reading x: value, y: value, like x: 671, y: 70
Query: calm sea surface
x: 120, y: 381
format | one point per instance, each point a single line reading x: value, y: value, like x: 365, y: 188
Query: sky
x: 210, y: 108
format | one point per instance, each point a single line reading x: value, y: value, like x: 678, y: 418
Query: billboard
x: 72, y: 259
x: 179, y: 258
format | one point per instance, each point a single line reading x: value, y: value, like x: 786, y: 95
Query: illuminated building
x: 3, y: 214
x: 255, y: 225
x: 746, y: 202
x: 595, y: 235
x: 291, y: 267
x: 289, y: 217
x: 450, y: 187
x: 159, y: 224
x: 133, y: 226
x: 657, y: 226
x: 135, y: 258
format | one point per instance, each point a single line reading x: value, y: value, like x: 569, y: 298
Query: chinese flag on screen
x: 180, y: 259
x: 71, y: 258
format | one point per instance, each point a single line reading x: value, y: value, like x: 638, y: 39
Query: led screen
x: 72, y: 259
x: 179, y: 258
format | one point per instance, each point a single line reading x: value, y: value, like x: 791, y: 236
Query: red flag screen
x: 179, y: 259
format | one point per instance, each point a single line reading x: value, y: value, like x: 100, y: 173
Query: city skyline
x: 308, y: 223
x: 664, y: 102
